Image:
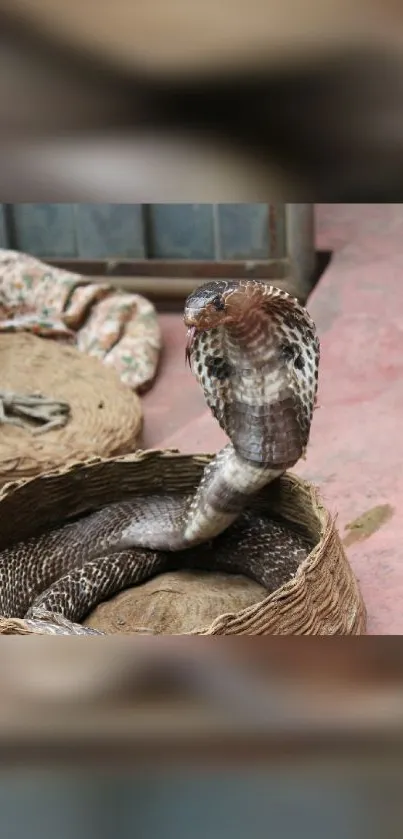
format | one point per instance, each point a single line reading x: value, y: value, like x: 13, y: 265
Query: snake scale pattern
x: 255, y: 352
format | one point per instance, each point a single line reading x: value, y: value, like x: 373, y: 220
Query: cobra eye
x: 218, y: 303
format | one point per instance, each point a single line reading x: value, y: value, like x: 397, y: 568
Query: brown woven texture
x: 323, y: 597
x: 106, y: 416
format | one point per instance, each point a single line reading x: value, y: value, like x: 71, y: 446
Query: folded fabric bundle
x: 120, y: 329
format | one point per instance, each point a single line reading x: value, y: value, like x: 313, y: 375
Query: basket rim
x: 141, y: 455
x: 326, y: 523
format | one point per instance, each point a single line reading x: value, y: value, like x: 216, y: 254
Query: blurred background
x: 288, y: 802
x: 166, y: 739
x: 150, y: 101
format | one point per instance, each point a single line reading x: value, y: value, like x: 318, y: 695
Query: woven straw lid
x: 322, y: 598
x: 106, y: 416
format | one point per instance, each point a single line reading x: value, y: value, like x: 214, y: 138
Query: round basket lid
x: 105, y: 419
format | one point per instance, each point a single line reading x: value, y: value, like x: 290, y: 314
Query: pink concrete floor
x: 356, y: 448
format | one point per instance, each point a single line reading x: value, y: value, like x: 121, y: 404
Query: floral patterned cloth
x: 120, y: 329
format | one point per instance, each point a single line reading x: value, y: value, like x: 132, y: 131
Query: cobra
x: 255, y: 353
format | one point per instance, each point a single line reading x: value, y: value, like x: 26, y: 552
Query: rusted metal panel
x: 251, y: 231
x: 109, y: 230
x: 180, y: 231
x: 160, y: 231
x: 43, y: 229
x: 300, y: 242
x: 71, y: 230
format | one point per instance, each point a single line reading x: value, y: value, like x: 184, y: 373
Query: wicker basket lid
x: 321, y: 598
x: 106, y: 416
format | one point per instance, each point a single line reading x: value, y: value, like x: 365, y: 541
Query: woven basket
x: 106, y: 416
x: 322, y: 598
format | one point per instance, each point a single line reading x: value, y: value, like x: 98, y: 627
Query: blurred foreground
x: 170, y: 699
x: 223, y: 738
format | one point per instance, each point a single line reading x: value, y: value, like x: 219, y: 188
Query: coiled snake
x: 255, y: 352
